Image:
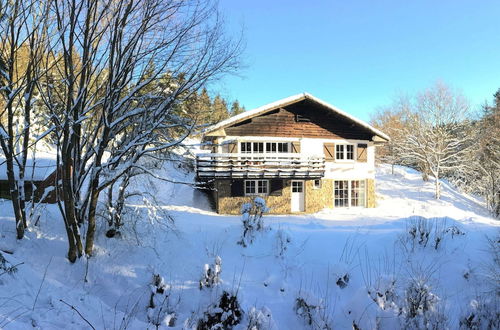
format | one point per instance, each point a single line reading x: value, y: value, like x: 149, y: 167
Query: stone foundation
x: 370, y: 193
x: 315, y: 199
x: 318, y: 199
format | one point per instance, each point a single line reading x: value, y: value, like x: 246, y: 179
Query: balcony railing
x: 265, y: 165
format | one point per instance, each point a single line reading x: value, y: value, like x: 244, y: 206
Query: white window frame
x: 276, y: 147
x: 264, y: 147
x: 256, y: 193
x: 319, y: 185
x: 344, y: 152
x: 350, y: 193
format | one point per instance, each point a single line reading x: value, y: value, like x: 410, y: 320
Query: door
x: 298, y: 196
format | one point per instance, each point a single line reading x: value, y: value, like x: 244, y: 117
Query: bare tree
x: 391, y: 120
x: 434, y: 134
x: 21, y: 47
x: 107, y: 54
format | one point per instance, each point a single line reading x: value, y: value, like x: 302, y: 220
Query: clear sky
x: 358, y: 55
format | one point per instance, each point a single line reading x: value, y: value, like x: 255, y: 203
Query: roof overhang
x: 218, y: 129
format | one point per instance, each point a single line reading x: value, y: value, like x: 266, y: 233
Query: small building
x: 39, y: 178
x: 300, y: 154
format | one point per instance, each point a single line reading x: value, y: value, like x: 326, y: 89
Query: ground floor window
x: 341, y: 193
x: 256, y: 187
x: 349, y: 193
x: 297, y: 186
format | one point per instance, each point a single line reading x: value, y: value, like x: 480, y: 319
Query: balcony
x: 265, y: 165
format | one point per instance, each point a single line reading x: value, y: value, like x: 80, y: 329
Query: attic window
x: 301, y: 119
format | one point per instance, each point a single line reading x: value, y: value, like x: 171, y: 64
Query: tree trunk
x: 14, y: 195
x: 74, y: 238
x: 94, y: 196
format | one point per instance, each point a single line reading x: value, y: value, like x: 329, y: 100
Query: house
x: 39, y: 178
x: 300, y: 154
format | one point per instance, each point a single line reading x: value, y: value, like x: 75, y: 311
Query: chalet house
x: 300, y: 154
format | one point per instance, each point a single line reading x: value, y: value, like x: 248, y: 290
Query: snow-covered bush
x: 420, y: 309
x: 251, y: 216
x: 6, y: 267
x: 224, y: 314
x: 482, y: 314
x: 260, y: 319
x: 383, y: 293
x: 283, y: 239
x: 313, y: 312
x: 427, y: 232
x: 161, y: 311
x: 211, y: 274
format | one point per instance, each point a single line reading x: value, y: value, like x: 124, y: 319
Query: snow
x: 354, y: 265
x: 37, y: 168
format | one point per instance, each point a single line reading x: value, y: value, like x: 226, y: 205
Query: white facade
x: 338, y: 169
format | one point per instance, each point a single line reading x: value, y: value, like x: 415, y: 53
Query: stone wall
x: 318, y: 199
x: 231, y: 205
x: 370, y: 193
x: 315, y: 199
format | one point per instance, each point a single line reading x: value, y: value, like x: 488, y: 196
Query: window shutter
x: 296, y: 147
x: 362, y: 152
x: 276, y: 187
x: 329, y: 151
x: 237, y: 188
x: 233, y: 147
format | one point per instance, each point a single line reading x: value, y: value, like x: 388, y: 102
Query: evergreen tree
x: 219, y: 110
x: 236, y: 109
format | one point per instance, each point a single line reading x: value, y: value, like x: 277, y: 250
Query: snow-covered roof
x: 37, y: 169
x: 287, y: 101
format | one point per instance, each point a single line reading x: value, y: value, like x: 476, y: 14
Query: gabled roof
x: 287, y: 101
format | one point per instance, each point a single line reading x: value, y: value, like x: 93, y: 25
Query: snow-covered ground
x: 357, y: 266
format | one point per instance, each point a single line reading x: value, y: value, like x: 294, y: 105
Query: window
x: 349, y: 148
x: 256, y: 187
x: 246, y: 147
x: 301, y: 119
x: 349, y: 193
x: 344, y: 151
x: 358, y: 193
x: 258, y: 147
x: 317, y: 184
x: 297, y: 186
x: 341, y: 193
x: 273, y: 147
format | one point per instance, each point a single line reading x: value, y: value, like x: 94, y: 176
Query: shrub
x: 427, y: 232
x: 251, y: 216
x: 160, y: 310
x: 483, y: 314
x: 211, y: 274
x: 6, y: 267
x: 421, y: 307
x: 224, y: 314
x: 260, y: 319
x: 314, y: 313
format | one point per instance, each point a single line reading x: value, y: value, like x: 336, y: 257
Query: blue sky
x: 358, y: 55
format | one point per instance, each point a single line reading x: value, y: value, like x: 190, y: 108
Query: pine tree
x: 236, y: 109
x: 219, y: 109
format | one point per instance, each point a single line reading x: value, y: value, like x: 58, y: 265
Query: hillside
x: 343, y: 267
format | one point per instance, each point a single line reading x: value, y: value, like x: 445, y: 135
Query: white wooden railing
x: 265, y: 165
